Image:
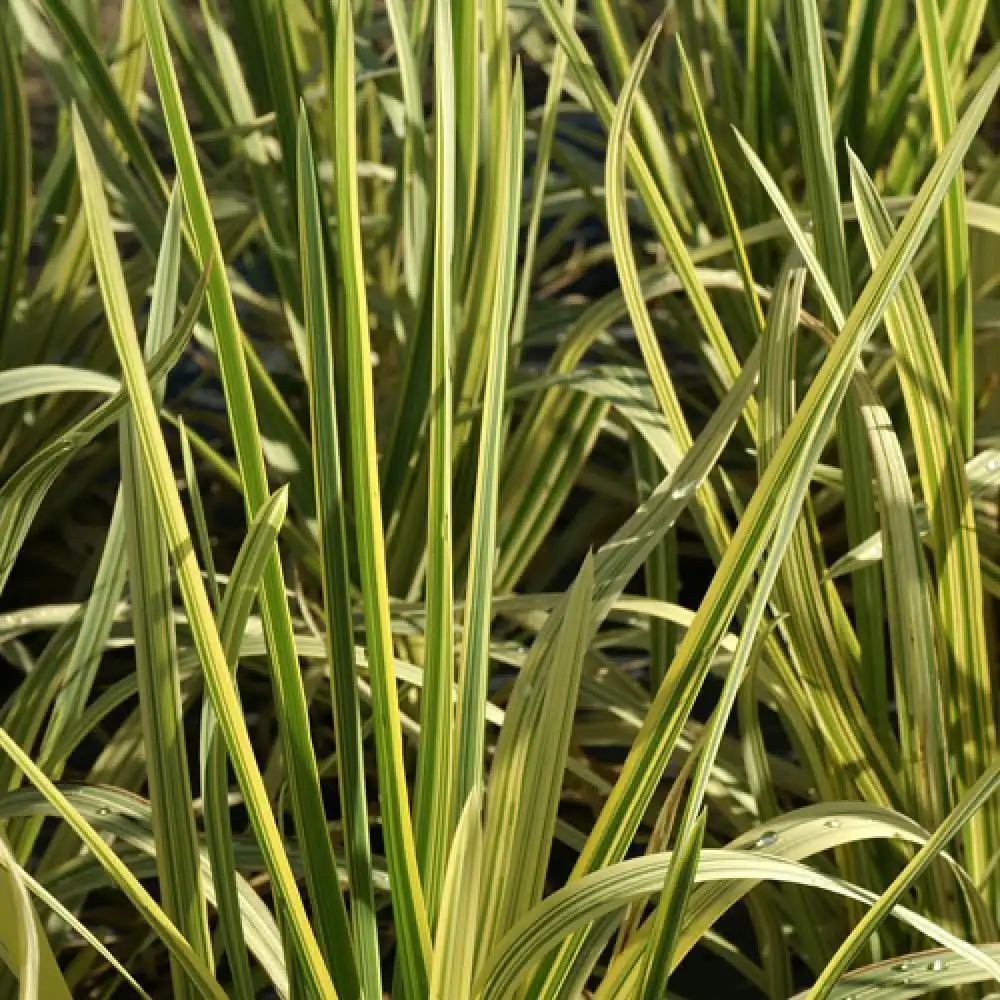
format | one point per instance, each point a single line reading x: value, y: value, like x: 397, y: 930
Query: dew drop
x: 680, y: 492
x: 766, y: 840
x: 993, y: 465
x: 104, y: 811
x: 936, y: 966
x: 833, y: 824
x: 902, y: 967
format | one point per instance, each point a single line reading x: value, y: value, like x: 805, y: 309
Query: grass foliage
x: 499, y: 499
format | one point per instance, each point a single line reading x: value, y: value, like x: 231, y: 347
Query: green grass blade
x: 453, y: 965
x: 278, y: 239
x: 198, y: 513
x: 922, y: 973
x: 127, y: 818
x: 156, y: 654
x: 407, y: 897
x: 159, y: 699
x: 539, y: 177
x: 620, y: 240
x: 616, y: 37
x: 336, y: 571
x: 15, y: 181
x: 20, y: 944
x: 668, y: 918
x: 812, y: 114
x: 415, y: 212
x: 805, y: 35
x: 751, y: 298
x: 105, y: 93
x: 474, y: 660
x: 830, y: 660
x: 954, y: 282
x: 433, y: 806
x: 81, y: 669
x: 707, y: 508
x: 43, y: 380
x: 660, y: 571
x: 727, y: 364
x: 233, y: 612
x: 527, y: 773
x: 52, y: 903
x: 23, y: 493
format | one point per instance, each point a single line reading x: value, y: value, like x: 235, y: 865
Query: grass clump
x: 498, y: 499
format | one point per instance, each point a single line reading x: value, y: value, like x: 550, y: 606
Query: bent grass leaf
x: 610, y: 889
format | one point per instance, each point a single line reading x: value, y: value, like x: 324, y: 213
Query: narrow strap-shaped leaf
x: 159, y: 701
x: 954, y: 277
x: 15, y: 182
x: 233, y: 612
x: 127, y: 818
x: 456, y: 940
x: 52, y: 903
x: 279, y: 239
x: 539, y: 176
x: 528, y: 767
x: 415, y: 214
x: 668, y: 918
x: 617, y: 38
x: 722, y: 195
x: 160, y: 705
x: 335, y: 570
x: 43, y: 380
x: 408, y: 906
x: 812, y: 622
x: 474, y: 659
x: 20, y: 934
x: 706, y: 508
x: 198, y: 513
x: 661, y: 569
x: 728, y: 364
x: 433, y: 807
x: 812, y: 115
x: 23, y: 493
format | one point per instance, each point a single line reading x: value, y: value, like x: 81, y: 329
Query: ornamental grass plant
x: 499, y: 499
